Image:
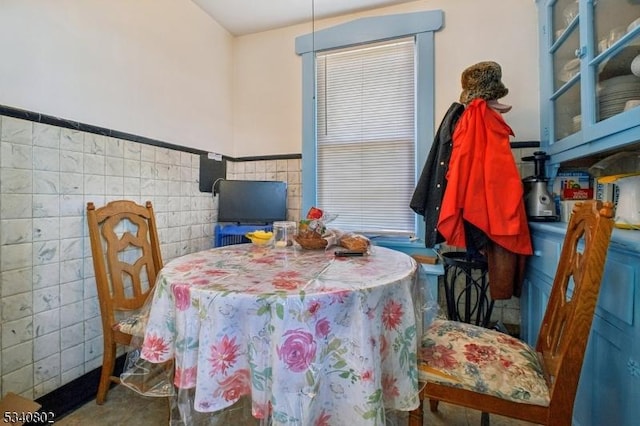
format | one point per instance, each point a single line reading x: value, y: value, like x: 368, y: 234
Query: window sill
x: 411, y: 247
x: 403, y: 244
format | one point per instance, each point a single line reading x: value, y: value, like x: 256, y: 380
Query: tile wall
x: 49, y: 315
x: 50, y: 323
x: 287, y: 170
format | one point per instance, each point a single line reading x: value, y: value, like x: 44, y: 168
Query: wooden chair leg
x: 433, y: 405
x: 416, y: 416
x: 108, y: 364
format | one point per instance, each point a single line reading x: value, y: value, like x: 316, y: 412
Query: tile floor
x: 125, y: 407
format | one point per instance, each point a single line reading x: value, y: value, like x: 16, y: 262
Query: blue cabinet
x: 609, y: 389
x: 590, y: 108
x: 589, y: 82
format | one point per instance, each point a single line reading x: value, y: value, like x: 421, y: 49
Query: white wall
x: 164, y: 69
x: 154, y: 68
x: 267, y: 72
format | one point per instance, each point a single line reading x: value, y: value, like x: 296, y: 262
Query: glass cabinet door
x: 616, y: 51
x: 564, y: 13
x: 566, y: 69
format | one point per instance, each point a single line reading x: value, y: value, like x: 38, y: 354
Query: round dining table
x: 309, y: 337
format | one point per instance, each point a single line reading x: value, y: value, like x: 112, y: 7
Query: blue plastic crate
x: 226, y: 235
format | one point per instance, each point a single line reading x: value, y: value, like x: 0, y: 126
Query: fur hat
x: 482, y: 80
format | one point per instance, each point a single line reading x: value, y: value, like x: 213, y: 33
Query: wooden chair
x: 486, y: 370
x: 126, y: 259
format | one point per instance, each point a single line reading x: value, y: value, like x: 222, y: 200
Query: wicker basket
x: 311, y: 241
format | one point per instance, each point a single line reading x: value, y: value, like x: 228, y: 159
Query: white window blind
x: 366, y: 136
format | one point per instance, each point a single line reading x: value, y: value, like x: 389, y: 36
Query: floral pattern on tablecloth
x: 314, y: 339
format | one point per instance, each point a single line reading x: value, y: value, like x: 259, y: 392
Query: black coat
x: 427, y: 196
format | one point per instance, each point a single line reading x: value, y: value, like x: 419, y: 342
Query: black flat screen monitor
x: 252, y: 201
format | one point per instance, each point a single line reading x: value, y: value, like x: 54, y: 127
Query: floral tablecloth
x: 312, y: 338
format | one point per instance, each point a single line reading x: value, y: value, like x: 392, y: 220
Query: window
x: 365, y: 135
x: 368, y: 119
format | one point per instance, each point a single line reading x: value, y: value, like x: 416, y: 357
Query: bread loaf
x: 355, y: 242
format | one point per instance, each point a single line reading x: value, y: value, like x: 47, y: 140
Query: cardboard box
x: 17, y: 410
x: 577, y: 194
x: 567, y: 180
x: 604, y: 191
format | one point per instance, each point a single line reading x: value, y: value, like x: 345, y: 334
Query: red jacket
x: 483, y: 183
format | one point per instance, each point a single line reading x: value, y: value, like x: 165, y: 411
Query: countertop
x: 621, y: 239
